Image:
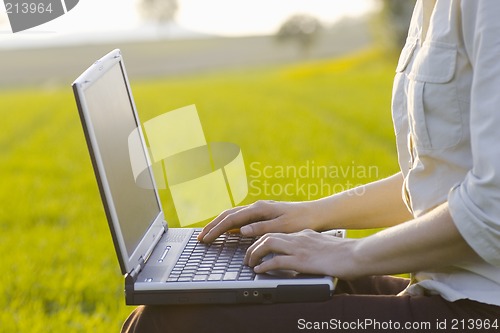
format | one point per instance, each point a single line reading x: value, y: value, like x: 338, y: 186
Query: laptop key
x: 202, y: 277
x: 215, y: 277
x: 230, y: 276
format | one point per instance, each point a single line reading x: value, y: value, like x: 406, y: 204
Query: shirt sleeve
x: 475, y: 203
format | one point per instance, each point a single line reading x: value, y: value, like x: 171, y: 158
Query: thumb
x: 260, y: 228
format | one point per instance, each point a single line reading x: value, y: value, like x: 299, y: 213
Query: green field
x: 61, y: 274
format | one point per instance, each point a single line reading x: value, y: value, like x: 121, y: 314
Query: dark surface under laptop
x: 149, y: 252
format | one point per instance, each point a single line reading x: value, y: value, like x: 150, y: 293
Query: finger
x: 216, y: 221
x: 237, y: 218
x: 261, y: 228
x: 270, y: 243
x: 279, y: 262
x: 228, y: 223
x: 266, y: 241
x: 252, y: 248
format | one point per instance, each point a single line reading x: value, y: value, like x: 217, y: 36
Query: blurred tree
x: 300, y: 29
x: 159, y: 11
x: 395, y: 19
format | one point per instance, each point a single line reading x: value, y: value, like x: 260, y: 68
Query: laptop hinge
x: 142, y: 261
x: 136, y: 270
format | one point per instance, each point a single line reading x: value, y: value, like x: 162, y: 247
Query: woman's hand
x: 260, y: 218
x: 427, y: 242
x: 305, y: 252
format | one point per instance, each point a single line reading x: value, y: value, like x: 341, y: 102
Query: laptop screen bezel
x: 158, y: 225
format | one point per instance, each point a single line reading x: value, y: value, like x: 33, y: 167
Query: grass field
x: 61, y: 274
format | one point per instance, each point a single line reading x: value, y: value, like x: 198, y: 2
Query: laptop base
x: 279, y: 294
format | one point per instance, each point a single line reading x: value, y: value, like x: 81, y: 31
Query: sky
x: 261, y: 16
x: 214, y: 17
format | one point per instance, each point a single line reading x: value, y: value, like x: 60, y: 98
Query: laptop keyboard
x: 221, y: 260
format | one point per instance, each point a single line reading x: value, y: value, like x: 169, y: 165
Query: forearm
x: 374, y: 205
x: 424, y: 243
x: 430, y: 241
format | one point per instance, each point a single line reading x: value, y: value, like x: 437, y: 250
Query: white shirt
x: 446, y: 113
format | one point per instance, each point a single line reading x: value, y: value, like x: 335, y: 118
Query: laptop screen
x: 112, y: 115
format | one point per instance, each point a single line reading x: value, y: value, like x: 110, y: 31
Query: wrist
x: 345, y: 261
x: 317, y: 216
x: 324, y: 212
x: 358, y: 263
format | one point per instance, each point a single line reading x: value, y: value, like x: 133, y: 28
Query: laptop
x: 163, y: 265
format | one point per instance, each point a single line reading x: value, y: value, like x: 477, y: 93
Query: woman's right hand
x: 260, y: 218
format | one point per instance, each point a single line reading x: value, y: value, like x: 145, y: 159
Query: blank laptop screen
x: 113, y: 120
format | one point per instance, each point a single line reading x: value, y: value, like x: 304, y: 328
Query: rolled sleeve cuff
x: 479, y: 229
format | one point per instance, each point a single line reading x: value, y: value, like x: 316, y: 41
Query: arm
x: 475, y: 203
x: 375, y: 205
x: 429, y: 241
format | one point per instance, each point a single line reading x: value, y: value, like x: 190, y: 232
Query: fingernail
x: 204, y: 238
x: 246, y: 230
